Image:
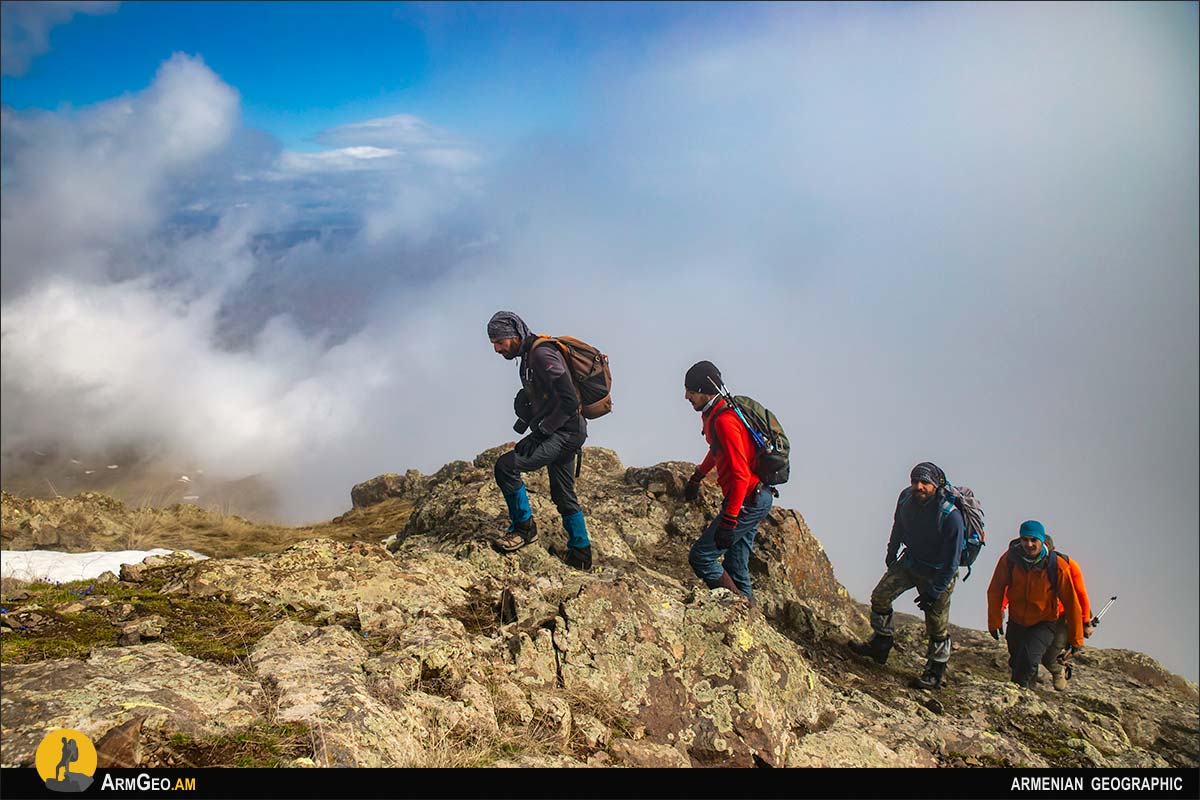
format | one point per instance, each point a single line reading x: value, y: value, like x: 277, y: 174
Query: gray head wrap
x: 507, y: 325
x: 928, y: 472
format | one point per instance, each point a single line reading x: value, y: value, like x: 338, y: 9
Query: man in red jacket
x: 747, y: 501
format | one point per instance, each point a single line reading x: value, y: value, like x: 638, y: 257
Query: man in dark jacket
x: 548, y: 404
x: 747, y: 500
x: 930, y: 528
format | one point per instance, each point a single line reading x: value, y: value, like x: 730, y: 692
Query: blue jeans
x: 704, y: 553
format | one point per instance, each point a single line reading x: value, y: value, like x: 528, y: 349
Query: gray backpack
x: 962, y: 498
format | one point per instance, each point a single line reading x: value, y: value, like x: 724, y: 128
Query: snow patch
x: 56, y: 567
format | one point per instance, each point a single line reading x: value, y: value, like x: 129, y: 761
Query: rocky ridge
x: 437, y: 651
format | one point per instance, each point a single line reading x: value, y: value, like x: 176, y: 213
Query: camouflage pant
x: 896, y: 581
x: 1050, y: 659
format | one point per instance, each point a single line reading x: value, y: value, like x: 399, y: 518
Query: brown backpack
x: 589, y: 370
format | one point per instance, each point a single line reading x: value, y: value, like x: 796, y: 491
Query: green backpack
x: 774, y: 450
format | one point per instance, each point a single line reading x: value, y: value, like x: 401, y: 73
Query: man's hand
x: 691, y: 492
x: 724, y: 535
x: 889, y: 559
x: 996, y: 633
x: 526, y: 446
x: 925, y: 603
x: 1088, y: 630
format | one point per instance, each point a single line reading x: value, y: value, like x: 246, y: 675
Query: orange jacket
x: 1031, y: 599
x: 1085, y: 605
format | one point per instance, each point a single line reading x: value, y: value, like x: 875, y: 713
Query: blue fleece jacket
x: 932, y: 540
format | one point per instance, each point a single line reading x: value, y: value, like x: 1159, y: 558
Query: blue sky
x: 239, y: 235
x: 498, y: 69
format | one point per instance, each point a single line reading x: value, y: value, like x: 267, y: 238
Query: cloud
x: 345, y: 158
x: 403, y: 131
x: 26, y: 28
x: 80, y: 187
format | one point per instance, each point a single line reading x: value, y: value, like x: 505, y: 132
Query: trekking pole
x: 1096, y: 619
x: 759, y: 439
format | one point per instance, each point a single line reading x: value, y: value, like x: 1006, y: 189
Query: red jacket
x: 1031, y: 599
x: 733, y: 453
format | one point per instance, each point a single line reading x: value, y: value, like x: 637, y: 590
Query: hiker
x: 549, y: 405
x: 1036, y: 581
x: 930, y: 528
x: 747, y: 500
x: 1058, y: 653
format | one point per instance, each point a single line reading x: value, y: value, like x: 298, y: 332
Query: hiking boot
x: 726, y: 582
x: 519, y: 535
x: 579, y: 558
x: 1060, y: 682
x: 931, y: 678
x: 877, y: 648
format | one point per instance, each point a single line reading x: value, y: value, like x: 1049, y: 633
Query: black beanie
x: 697, y: 378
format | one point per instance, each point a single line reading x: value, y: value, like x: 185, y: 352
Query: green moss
x: 205, y: 628
x: 1044, y: 736
x: 62, y: 636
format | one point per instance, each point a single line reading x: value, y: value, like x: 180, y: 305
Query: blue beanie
x: 1033, y: 529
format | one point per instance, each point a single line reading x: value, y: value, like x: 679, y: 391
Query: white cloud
x: 26, y: 28
x: 80, y: 186
x: 346, y: 158
x: 401, y: 131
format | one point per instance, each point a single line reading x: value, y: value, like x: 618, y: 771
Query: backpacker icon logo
x: 66, y: 760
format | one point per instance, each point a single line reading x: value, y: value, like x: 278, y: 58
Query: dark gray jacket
x: 552, y: 395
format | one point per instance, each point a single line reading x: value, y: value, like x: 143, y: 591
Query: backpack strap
x: 565, y: 351
x: 944, y: 510
x: 1051, y: 566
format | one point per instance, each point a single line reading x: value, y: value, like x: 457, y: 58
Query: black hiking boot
x: 931, y: 678
x: 579, y: 558
x: 877, y: 648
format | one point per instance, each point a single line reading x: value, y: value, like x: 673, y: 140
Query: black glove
x: 521, y: 406
x: 889, y: 559
x: 996, y: 633
x: 526, y: 446
x: 691, y: 492
x: 925, y: 603
x: 520, y: 426
x: 724, y: 535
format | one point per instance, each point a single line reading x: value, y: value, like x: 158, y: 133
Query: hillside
x: 322, y: 645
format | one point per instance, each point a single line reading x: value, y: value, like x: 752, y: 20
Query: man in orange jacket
x: 1036, y: 580
x: 1059, y: 646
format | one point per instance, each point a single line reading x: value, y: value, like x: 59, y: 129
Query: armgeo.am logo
x: 66, y: 760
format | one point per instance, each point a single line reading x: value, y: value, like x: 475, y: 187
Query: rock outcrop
x: 438, y: 651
